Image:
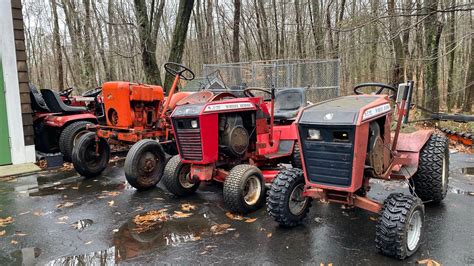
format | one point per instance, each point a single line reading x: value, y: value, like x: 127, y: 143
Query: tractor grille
x: 189, y: 140
x: 329, y: 160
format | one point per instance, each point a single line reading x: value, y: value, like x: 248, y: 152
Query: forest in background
x: 83, y: 43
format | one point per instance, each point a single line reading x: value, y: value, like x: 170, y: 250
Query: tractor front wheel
x: 144, y: 164
x: 244, y: 189
x: 176, y: 178
x: 89, y: 159
x: 286, y: 203
x: 296, y: 156
x: 399, y: 226
x: 70, y: 136
x: 430, y: 182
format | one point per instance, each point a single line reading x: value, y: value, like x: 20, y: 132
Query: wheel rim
x: 78, y: 136
x: 90, y: 157
x: 444, y: 175
x: 252, y: 190
x: 297, y: 202
x: 184, y: 178
x: 147, y: 165
x: 414, y: 230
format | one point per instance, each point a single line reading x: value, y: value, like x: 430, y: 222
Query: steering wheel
x: 66, y: 92
x: 176, y: 69
x: 248, y: 91
x: 92, y: 92
x: 371, y: 84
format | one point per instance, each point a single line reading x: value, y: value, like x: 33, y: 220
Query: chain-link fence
x: 321, y: 77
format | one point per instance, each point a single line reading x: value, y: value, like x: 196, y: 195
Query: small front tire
x: 399, y: 226
x: 85, y: 158
x: 176, y: 178
x: 244, y: 189
x: 70, y: 136
x: 286, y: 203
x: 144, y: 164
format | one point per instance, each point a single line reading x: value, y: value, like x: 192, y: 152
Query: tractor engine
x: 234, y: 135
x: 131, y: 105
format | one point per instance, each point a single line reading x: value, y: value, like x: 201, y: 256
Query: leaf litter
x: 5, y: 221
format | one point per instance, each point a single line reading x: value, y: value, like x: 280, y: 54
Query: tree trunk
x: 179, y: 35
x: 469, y: 88
x: 316, y: 21
x: 147, y: 43
x: 299, y: 31
x: 57, y: 46
x: 451, y: 44
x: 88, y: 70
x: 398, y: 65
x: 236, y: 32
x: 432, y: 36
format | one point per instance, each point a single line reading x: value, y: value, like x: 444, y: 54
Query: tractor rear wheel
x: 399, y: 226
x: 88, y: 159
x: 430, y: 182
x: 69, y: 137
x: 144, y: 164
x: 176, y: 178
x: 244, y: 189
x: 296, y: 156
x: 286, y: 203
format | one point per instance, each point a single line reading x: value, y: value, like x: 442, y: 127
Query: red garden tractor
x: 138, y: 115
x: 59, y: 119
x: 239, y: 142
x: 347, y: 141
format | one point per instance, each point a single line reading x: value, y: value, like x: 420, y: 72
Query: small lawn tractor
x: 60, y: 119
x: 138, y: 115
x: 239, y: 142
x: 348, y: 140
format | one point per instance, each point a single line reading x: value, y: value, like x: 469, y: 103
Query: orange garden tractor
x: 347, y: 141
x: 138, y: 115
x: 239, y: 142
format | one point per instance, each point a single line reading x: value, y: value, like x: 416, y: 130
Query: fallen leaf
x: 14, y: 242
x: 269, y: 235
x: 219, y: 229
x: 234, y: 216
x: 5, y: 221
x: 76, y: 188
x: 250, y: 220
x: 88, y: 242
x: 470, y: 193
x: 188, y: 207
x: 372, y: 218
x: 146, y: 221
x: 2, y: 233
x: 63, y: 218
x: 60, y: 222
x: 89, y: 186
x: 20, y: 234
x: 38, y: 213
x: 178, y: 214
x: 428, y: 262
x: 115, y: 230
x: 23, y: 213
x: 158, y: 198
x: 111, y: 203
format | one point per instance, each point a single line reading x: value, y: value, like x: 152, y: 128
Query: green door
x: 5, y: 156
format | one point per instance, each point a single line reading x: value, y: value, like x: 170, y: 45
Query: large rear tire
x: 244, y: 189
x: 86, y: 161
x: 430, y: 182
x: 144, y: 164
x: 176, y: 178
x: 70, y: 136
x: 399, y: 226
x: 286, y: 203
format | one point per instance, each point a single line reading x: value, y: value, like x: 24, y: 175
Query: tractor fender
x: 413, y: 142
x: 60, y: 121
x: 178, y: 96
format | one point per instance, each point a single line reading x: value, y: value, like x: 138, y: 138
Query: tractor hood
x: 341, y: 111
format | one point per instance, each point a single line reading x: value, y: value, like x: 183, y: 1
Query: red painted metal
x: 54, y: 120
x: 203, y: 172
x: 269, y: 175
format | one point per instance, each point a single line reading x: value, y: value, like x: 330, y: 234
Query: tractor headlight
x: 194, y: 123
x: 314, y: 134
x: 188, y: 110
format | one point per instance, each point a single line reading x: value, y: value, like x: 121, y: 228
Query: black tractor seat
x: 37, y: 102
x: 288, y: 103
x: 56, y: 105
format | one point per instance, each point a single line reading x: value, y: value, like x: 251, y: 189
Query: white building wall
x: 19, y: 152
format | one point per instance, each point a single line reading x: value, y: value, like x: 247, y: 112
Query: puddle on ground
x: 129, y: 243
x: 468, y: 170
x: 26, y: 256
x: 456, y: 190
x: 82, y: 224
